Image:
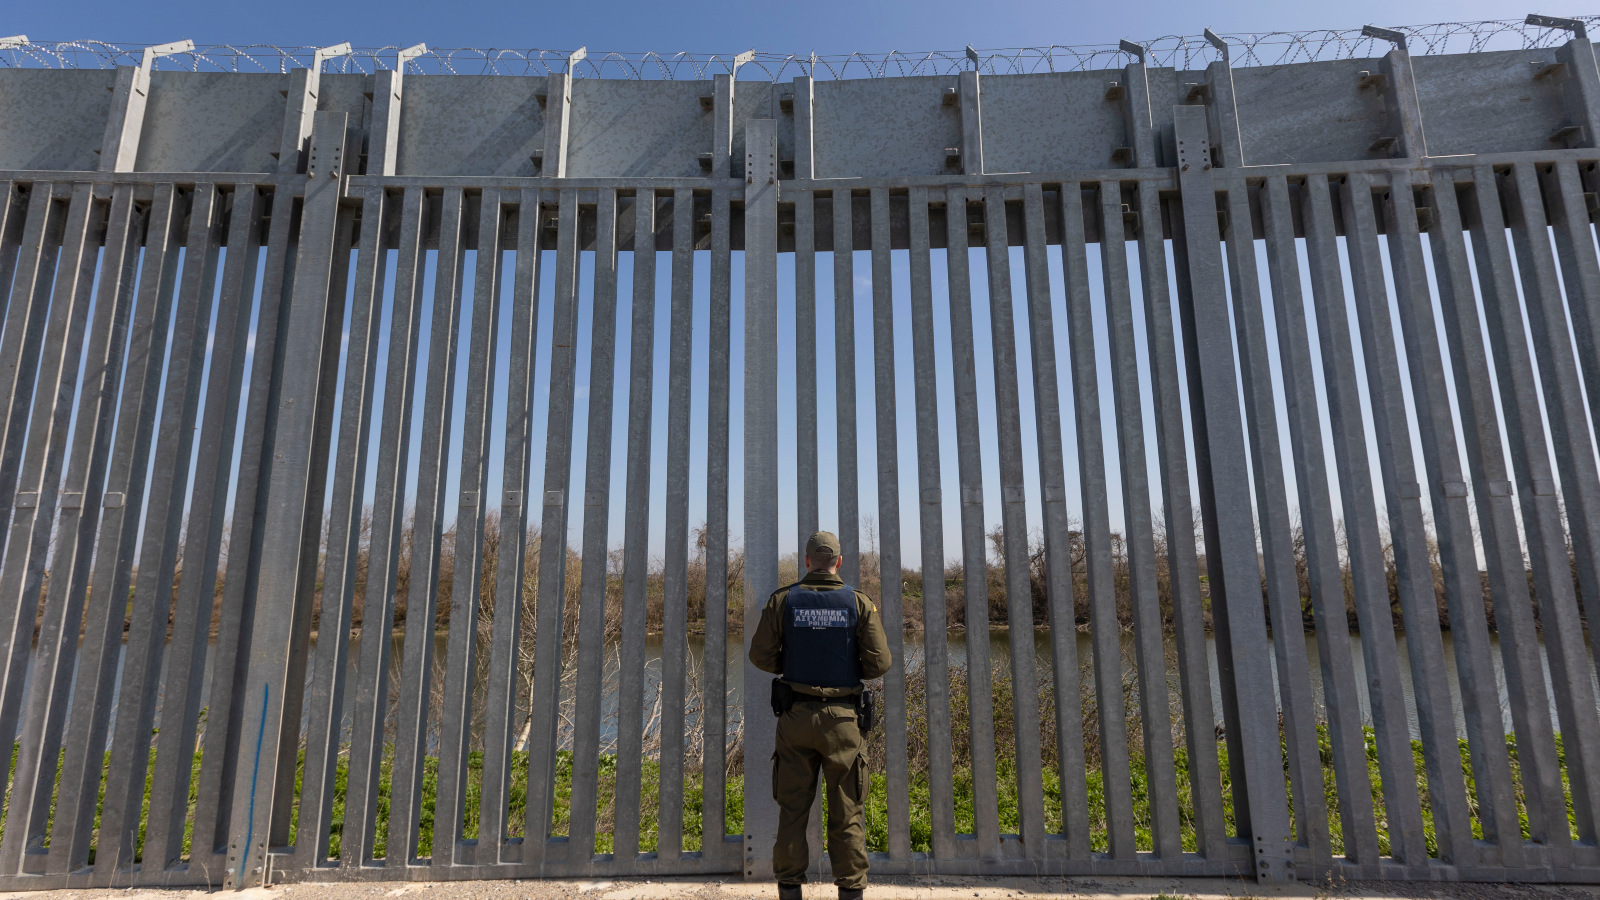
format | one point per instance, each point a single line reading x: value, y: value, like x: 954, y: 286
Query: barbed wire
x: 1184, y: 52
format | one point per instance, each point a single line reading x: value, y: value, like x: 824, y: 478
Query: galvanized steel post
x: 760, y: 475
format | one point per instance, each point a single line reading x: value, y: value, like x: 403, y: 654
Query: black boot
x: 788, y: 891
x: 850, y: 893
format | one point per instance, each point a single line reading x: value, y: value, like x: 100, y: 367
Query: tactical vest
x: 819, y: 638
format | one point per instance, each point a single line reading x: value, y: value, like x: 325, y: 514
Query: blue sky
x: 710, y: 26
x: 719, y: 27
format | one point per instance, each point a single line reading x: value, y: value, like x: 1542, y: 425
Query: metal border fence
x: 1448, y: 300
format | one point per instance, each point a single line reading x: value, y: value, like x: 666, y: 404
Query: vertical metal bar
x: 298, y: 659
x: 1138, y: 114
x: 971, y: 122
x: 1403, y: 497
x: 553, y: 539
x: 596, y: 522
x: 675, y: 574
x: 557, y: 123
x: 1497, y: 523
x: 713, y: 694
x: 1277, y: 534
x: 369, y: 702
x: 246, y: 535
x: 59, y: 634
x: 28, y: 541
x: 1541, y: 518
x: 1149, y: 647
x: 1580, y: 271
x: 1402, y: 114
x: 1324, y: 573
x: 1458, y: 561
x: 1223, y: 108
x: 636, y: 532
x: 1220, y: 454
x: 935, y: 621
x: 78, y: 795
x: 1014, y: 521
x: 975, y: 575
x: 506, y: 639
x: 20, y: 345
x: 152, y: 595
x: 761, y: 467
x: 1105, y: 632
x: 1402, y: 805
x: 383, y: 124
x: 1194, y: 669
x: 897, y: 780
x: 1057, y: 524
x: 805, y: 359
x: 422, y: 588
x: 271, y: 658
x: 344, y: 534
x: 462, y: 650
x: 203, y: 544
x: 804, y: 117
x: 1570, y: 666
x: 13, y: 210
x: 1580, y: 87
x: 844, y: 358
x: 1229, y: 698
x: 806, y: 393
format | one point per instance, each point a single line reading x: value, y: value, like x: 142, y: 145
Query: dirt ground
x: 938, y: 888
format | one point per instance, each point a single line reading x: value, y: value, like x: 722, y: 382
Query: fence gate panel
x: 374, y: 439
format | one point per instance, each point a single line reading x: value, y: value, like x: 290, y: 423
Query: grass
x: 877, y: 801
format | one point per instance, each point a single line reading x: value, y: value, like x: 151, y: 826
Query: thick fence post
x: 1225, y: 507
x: 262, y: 703
x: 760, y: 474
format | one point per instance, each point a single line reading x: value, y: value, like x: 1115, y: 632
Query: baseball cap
x: 823, y: 545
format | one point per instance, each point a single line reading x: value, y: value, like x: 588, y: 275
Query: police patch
x: 824, y: 617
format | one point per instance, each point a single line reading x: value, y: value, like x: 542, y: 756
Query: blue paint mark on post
x: 255, y: 772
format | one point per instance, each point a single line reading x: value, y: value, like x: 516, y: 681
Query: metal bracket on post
x: 721, y: 162
x: 121, y: 145
x: 760, y: 471
x: 1576, y: 26
x: 384, y: 149
x: 558, y: 117
x: 273, y: 626
x: 971, y: 105
x: 1405, y: 137
x: 302, y: 107
x: 1581, y: 88
x: 1136, y: 113
x: 804, y: 169
x: 1229, y: 522
x: 1227, y: 141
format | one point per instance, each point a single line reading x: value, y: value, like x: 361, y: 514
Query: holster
x: 782, y: 696
x: 867, y: 710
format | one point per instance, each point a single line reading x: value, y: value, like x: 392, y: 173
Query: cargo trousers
x: 820, y: 735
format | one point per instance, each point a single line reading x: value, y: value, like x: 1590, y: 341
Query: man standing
x: 823, y: 637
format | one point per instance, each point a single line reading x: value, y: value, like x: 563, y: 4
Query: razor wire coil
x: 1183, y: 52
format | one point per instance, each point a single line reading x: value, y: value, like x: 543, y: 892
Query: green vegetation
x: 877, y: 806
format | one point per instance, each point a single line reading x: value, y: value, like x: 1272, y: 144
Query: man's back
x: 824, y: 637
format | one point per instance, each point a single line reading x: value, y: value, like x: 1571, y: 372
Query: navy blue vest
x: 819, y: 638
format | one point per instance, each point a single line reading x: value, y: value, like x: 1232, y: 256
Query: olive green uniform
x: 820, y: 732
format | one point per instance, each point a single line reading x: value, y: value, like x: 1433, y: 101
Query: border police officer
x: 822, y: 637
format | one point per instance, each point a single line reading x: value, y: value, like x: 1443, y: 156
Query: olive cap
x: 822, y: 546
